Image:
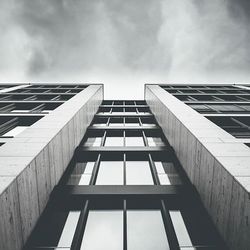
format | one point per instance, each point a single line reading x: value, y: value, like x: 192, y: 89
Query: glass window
x: 93, y: 142
x: 172, y: 174
x: 155, y: 141
x: 138, y: 173
x: 163, y: 177
x: 104, y: 230
x: 180, y: 228
x: 145, y: 230
x: 110, y: 173
x: 134, y: 141
x: 15, y: 131
x: 164, y: 180
x: 99, y: 124
x: 114, y: 141
x: 82, y: 173
x: 69, y: 229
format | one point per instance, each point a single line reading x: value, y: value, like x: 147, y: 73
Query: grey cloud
x: 176, y: 40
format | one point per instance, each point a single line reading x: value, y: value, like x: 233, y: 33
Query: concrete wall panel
x: 10, y: 231
x: 28, y: 199
x: 35, y: 160
x: 215, y: 162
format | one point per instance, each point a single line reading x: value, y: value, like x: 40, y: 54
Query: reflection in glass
x: 110, y: 173
x: 104, y: 230
x: 164, y: 180
x: 146, y: 230
x: 134, y: 141
x: 69, y: 229
x: 180, y: 228
x: 163, y: 177
x: 138, y: 173
x: 81, y: 174
x: 93, y: 142
x: 114, y: 141
x: 167, y: 173
x: 173, y: 175
x: 155, y: 141
x: 15, y: 131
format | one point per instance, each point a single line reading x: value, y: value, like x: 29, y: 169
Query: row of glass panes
x: 26, y: 107
x: 47, y: 90
x: 14, y: 132
x: 228, y: 108
x: 107, y: 102
x: 104, y: 230
x: 236, y: 126
x: 124, y: 173
x: 179, y: 86
x: 11, y: 126
x: 243, y: 121
x: 131, y: 141
x: 214, y: 98
x: 57, y: 86
x: 123, y: 111
x: 144, y: 229
x: 31, y: 97
x: 232, y: 91
x: 123, y: 121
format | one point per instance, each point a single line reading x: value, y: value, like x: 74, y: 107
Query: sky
x: 125, y: 44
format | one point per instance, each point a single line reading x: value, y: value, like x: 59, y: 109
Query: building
x: 208, y: 127
x: 120, y: 174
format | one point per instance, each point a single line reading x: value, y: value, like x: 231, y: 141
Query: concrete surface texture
x: 216, y: 163
x: 34, y: 161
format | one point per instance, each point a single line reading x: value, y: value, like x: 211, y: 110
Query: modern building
x: 167, y: 172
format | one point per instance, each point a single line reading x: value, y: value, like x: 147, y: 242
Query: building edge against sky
x: 33, y: 162
x: 216, y: 162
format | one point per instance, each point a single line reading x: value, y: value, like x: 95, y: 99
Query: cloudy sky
x: 125, y: 43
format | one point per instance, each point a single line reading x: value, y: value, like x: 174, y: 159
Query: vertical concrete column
x: 32, y: 163
x: 215, y: 162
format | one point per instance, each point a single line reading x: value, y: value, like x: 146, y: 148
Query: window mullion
x: 78, y: 235
x: 95, y: 170
x: 124, y: 170
x: 153, y: 171
x: 124, y: 225
x: 168, y: 224
x: 103, y: 138
x: 145, y: 139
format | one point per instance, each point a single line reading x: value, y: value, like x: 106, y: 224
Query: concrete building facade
x: 167, y: 172
x: 208, y: 126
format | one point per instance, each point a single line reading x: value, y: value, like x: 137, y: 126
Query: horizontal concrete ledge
x: 32, y: 163
x: 217, y: 164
